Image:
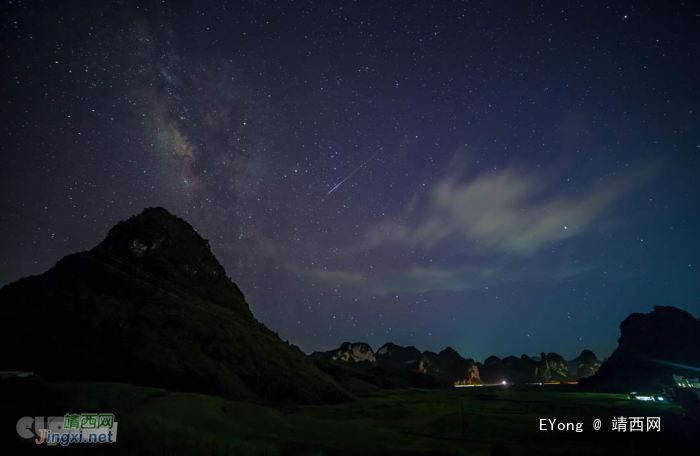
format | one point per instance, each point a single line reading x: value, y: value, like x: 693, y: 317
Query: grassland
x: 498, y: 420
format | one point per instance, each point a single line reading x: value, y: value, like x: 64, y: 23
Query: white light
x: 504, y: 382
x: 644, y: 398
x: 661, y: 398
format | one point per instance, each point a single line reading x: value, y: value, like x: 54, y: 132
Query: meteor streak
x: 348, y: 177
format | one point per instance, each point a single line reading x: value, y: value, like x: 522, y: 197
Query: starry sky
x: 500, y: 177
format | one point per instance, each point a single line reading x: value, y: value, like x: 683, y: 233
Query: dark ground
x: 497, y: 421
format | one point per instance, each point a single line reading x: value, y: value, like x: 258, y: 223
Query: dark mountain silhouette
x: 651, y: 349
x: 552, y: 368
x: 366, y: 376
x: 151, y: 305
x: 452, y: 368
x: 447, y: 365
x: 545, y: 368
x: 358, y: 368
x: 509, y: 369
x: 351, y: 352
x: 584, y: 365
x: 397, y: 356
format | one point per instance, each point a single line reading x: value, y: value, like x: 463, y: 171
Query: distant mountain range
x: 449, y: 366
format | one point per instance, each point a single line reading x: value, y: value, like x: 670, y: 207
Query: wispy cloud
x: 492, y: 225
x: 509, y: 215
x: 508, y: 211
x: 416, y: 280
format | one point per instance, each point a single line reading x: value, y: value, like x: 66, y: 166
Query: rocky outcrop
x: 520, y: 370
x: 509, y: 369
x: 652, y: 348
x: 159, y: 247
x: 397, y: 356
x: 348, y: 352
x: 552, y: 368
x: 587, y: 364
x: 152, y: 306
x: 513, y: 370
x: 492, y: 371
x: 449, y: 365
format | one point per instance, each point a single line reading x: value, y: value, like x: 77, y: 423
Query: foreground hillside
x: 151, y: 305
x: 652, y: 348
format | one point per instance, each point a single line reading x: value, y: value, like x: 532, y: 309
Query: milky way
x: 532, y: 180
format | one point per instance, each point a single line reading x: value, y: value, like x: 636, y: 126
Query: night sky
x: 499, y: 177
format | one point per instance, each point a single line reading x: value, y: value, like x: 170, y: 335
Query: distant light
x: 660, y: 398
x: 540, y: 384
x: 644, y: 398
x: 504, y: 382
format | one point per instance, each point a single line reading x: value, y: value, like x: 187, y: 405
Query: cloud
x: 336, y: 277
x: 500, y: 218
x: 508, y: 211
x: 415, y: 280
x: 421, y: 280
x: 485, y: 231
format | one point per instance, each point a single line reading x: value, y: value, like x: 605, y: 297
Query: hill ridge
x: 151, y: 305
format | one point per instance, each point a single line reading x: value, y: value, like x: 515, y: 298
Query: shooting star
x: 349, y: 175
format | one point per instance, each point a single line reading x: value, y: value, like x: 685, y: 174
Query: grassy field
x: 498, y: 420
